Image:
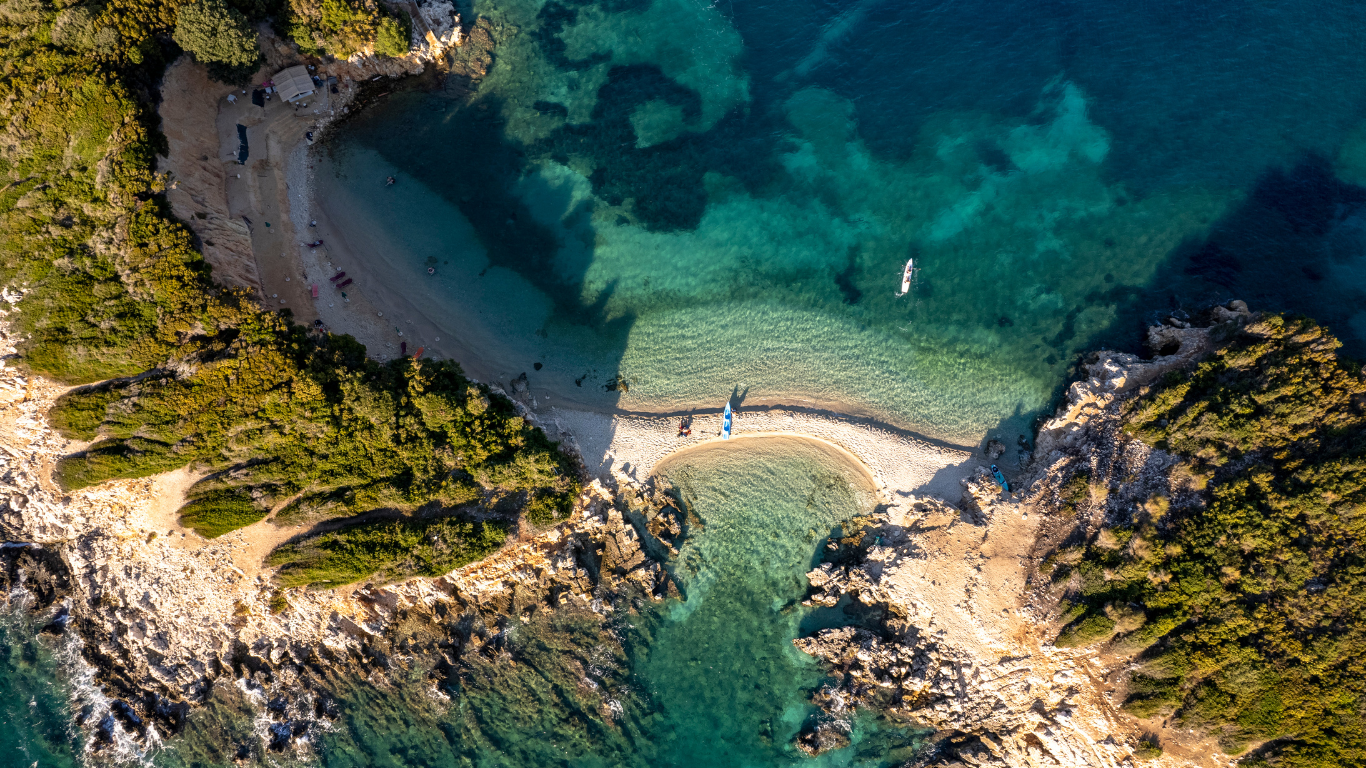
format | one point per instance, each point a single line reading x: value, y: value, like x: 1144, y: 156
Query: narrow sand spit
x: 628, y: 448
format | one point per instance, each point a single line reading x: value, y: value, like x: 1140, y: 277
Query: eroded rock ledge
x: 955, y: 629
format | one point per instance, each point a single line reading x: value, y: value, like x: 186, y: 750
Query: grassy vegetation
x: 1247, y: 609
x: 388, y: 550
x: 111, y: 289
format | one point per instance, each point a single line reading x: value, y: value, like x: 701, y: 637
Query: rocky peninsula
x: 953, y: 625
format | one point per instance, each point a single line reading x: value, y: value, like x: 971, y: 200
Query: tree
x: 219, y: 37
x: 392, y: 38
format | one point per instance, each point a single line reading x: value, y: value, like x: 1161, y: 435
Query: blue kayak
x: 1000, y: 478
x: 726, y: 422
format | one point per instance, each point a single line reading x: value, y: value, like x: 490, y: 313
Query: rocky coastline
x: 1017, y: 701
x: 161, y: 619
x: 952, y: 629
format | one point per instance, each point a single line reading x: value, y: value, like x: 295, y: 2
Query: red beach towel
x: 315, y: 290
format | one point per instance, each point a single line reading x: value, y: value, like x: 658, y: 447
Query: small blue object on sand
x: 726, y: 422
x: 1000, y: 478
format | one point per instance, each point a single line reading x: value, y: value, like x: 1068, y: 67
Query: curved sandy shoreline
x: 617, y: 446
x: 629, y: 448
x: 389, y: 304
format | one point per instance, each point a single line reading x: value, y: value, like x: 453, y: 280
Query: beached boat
x: 906, y: 277
x: 726, y: 422
x: 1000, y: 478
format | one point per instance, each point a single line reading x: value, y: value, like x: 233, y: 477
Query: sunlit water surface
x: 711, y: 196
x: 703, y: 196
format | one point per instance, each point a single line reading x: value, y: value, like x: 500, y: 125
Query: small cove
x: 712, y: 199
x: 712, y: 679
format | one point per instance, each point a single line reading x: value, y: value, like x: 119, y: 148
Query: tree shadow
x: 737, y: 397
x: 1296, y: 244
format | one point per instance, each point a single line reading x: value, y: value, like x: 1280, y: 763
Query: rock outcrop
x: 162, y: 616
x: 951, y: 629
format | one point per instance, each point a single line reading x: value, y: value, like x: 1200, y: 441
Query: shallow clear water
x: 704, y: 196
x: 36, y: 728
x: 709, y: 197
x: 709, y: 680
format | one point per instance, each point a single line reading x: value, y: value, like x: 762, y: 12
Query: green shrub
x: 394, y: 35
x: 218, y: 512
x: 78, y: 414
x: 1152, y: 696
x: 1090, y: 629
x: 118, y: 460
x: 388, y: 551
x: 1148, y: 749
x: 219, y: 37
x: 278, y: 602
x: 1077, y: 490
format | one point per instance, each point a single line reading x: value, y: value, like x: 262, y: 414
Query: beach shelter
x: 293, y: 83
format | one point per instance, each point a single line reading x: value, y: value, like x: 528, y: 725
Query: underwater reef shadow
x: 457, y: 146
x: 1293, y: 245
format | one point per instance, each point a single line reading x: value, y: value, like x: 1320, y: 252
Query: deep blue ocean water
x: 706, y: 197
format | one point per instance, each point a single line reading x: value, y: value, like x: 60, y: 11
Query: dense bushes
x: 215, y: 513
x: 284, y: 415
x: 107, y: 286
x: 220, y: 38
x: 393, y: 35
x: 1251, y: 602
x: 390, y: 550
x: 346, y: 27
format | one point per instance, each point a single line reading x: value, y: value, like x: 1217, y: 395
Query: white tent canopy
x: 294, y: 83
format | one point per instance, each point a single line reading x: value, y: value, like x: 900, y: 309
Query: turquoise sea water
x: 701, y: 195
x: 710, y: 680
x: 716, y: 196
x: 36, y: 726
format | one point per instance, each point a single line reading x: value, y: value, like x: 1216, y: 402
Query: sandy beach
x: 389, y: 312
x: 628, y: 448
